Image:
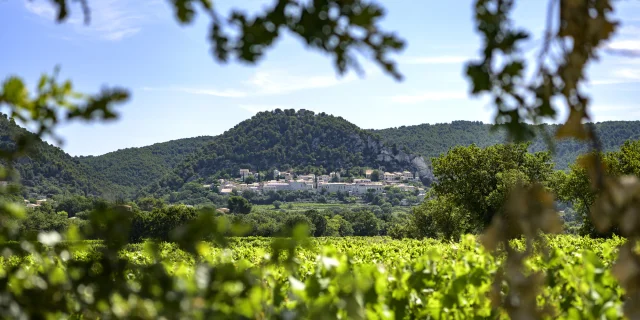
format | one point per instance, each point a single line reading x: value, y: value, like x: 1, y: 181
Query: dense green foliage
x: 576, y: 186
x: 154, y: 219
x: 238, y: 204
x: 159, y: 223
x: 47, y: 170
x: 438, y: 218
x: 282, y: 139
x: 432, y: 140
x: 43, y: 219
x: 134, y: 168
x: 324, y: 219
x: 478, y: 180
x: 472, y: 186
x: 353, y: 278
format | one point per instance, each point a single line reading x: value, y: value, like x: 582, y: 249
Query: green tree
x: 42, y: 219
x: 75, y: 204
x: 369, y: 195
x: 477, y: 179
x: 625, y: 161
x: 577, y: 186
x: 249, y: 179
x: 375, y: 175
x: 319, y: 222
x: 277, y: 204
x: 141, y: 226
x: 337, y: 226
x: 438, y: 218
x: 162, y: 221
x: 238, y: 204
x: 297, y: 220
x: 378, y: 200
x: 363, y: 222
x: 261, y: 225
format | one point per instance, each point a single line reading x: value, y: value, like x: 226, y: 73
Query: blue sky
x: 178, y: 91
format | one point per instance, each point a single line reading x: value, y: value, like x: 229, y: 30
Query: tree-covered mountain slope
x: 432, y: 140
x: 282, y: 139
x: 289, y: 139
x: 134, y: 168
x: 47, y: 170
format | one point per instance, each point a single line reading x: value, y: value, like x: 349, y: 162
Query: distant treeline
x: 433, y: 140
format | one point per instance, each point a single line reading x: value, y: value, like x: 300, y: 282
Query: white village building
x: 244, y: 173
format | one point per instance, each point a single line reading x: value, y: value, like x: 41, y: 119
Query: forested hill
x: 134, y: 168
x: 48, y: 170
x: 288, y: 139
x: 431, y: 140
x: 283, y: 139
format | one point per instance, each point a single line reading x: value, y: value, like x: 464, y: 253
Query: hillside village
x: 331, y: 183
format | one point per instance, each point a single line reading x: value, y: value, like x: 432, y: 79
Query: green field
x: 324, y: 278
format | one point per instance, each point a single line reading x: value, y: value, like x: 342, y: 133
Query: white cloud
x: 111, y: 20
x: 272, y: 82
x: 207, y: 92
x: 42, y: 9
x: 627, y: 45
x: 429, y: 96
x: 604, y: 112
x: 627, y: 40
x: 596, y: 107
x: 217, y: 93
x: 280, y: 82
x: 622, y: 75
x: 629, y: 30
x: 435, y: 60
x: 607, y: 82
x: 628, y: 73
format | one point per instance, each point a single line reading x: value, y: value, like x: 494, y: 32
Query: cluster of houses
x: 321, y: 183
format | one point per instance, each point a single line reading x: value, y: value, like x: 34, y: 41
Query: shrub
x: 438, y: 218
x: 238, y: 204
x: 319, y: 222
x: 363, y: 222
x: 296, y: 220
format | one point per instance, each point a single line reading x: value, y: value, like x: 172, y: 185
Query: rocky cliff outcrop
x: 417, y: 164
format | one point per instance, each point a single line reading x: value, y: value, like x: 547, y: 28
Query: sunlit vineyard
x: 324, y: 278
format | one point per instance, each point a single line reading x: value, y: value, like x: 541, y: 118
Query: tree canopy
x: 239, y: 204
x: 577, y: 186
x: 478, y: 179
